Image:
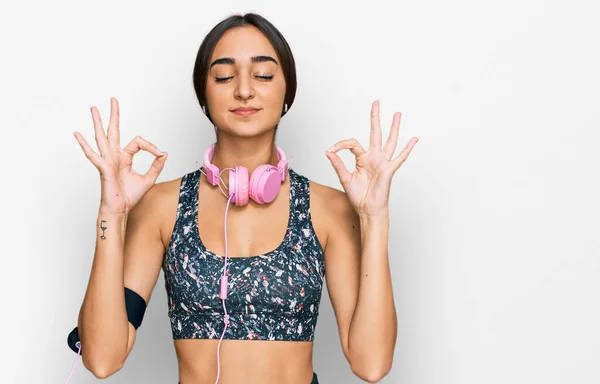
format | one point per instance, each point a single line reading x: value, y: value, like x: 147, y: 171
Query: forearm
x: 373, y: 329
x: 103, y: 324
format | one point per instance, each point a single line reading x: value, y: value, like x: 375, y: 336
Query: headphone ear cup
x: 238, y: 184
x: 264, y: 184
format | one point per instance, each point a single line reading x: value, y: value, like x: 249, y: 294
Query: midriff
x: 244, y: 361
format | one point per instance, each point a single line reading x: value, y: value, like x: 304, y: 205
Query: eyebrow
x: 255, y: 59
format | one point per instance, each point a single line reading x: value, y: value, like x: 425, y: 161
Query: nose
x: 244, y: 89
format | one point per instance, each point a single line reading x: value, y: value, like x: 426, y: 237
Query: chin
x: 249, y: 128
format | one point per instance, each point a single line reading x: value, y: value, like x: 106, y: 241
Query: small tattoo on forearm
x: 103, y: 228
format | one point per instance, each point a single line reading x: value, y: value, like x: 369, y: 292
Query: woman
x: 245, y: 82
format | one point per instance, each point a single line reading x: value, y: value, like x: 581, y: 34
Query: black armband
x: 135, y: 306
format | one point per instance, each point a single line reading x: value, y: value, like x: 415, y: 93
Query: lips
x: 245, y: 111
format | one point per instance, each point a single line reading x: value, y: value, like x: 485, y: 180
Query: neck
x: 249, y: 152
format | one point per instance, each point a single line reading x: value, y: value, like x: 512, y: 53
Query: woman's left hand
x: 368, y: 187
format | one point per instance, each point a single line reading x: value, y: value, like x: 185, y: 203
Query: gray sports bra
x: 272, y: 296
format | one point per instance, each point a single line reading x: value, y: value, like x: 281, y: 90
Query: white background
x: 494, y: 217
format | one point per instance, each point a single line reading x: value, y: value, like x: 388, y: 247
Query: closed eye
x: 223, y: 79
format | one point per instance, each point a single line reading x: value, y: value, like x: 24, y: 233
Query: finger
x: 402, y: 156
x: 352, y: 144
x: 100, y: 136
x: 155, y: 169
x: 89, y: 152
x: 139, y: 143
x: 339, y: 167
x: 114, y: 133
x: 375, y: 141
x: 390, y: 145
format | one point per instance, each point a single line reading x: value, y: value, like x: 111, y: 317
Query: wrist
x: 366, y: 217
x: 111, y: 225
x: 104, y: 212
x: 377, y: 223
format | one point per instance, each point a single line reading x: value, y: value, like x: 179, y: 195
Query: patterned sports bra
x: 271, y: 296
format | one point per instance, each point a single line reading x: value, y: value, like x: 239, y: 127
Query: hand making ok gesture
x: 368, y: 187
x: 122, y: 187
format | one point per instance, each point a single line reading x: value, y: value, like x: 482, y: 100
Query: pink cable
x: 78, y: 344
x: 220, y: 179
x: 224, y: 277
x: 226, y: 318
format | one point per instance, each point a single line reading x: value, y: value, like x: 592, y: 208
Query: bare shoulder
x: 158, y: 197
x: 329, y: 198
x: 330, y: 209
x: 159, y: 206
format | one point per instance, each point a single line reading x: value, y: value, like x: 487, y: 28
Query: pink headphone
x: 262, y: 186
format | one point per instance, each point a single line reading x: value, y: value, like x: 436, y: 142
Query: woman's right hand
x: 122, y: 187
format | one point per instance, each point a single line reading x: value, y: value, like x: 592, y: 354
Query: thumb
x: 339, y: 167
x: 156, y: 168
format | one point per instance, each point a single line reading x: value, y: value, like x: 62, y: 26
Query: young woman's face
x: 245, y: 72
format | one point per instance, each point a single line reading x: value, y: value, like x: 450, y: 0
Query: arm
x: 130, y: 256
x: 360, y: 288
